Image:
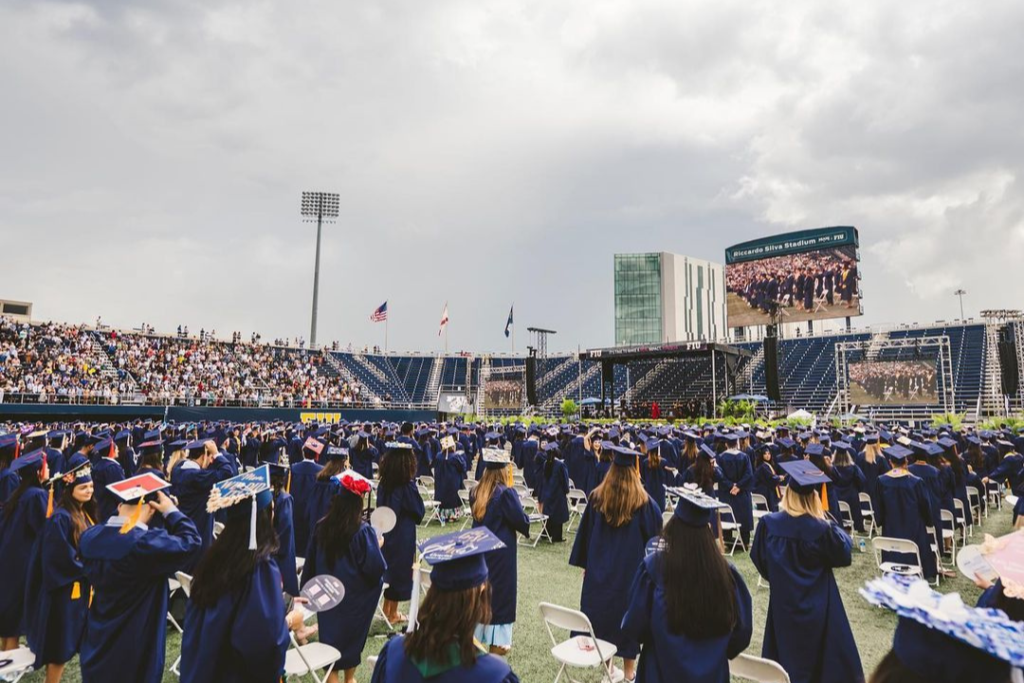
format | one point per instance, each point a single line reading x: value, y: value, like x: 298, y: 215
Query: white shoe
x: 618, y: 675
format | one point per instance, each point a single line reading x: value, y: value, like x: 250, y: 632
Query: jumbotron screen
x: 503, y: 394
x: 894, y: 382
x: 800, y: 276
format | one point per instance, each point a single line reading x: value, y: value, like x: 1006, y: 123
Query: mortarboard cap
x: 141, y: 488
x: 897, y: 453
x: 706, y: 452
x: 693, y: 508
x: 313, y: 446
x: 34, y: 460
x: 495, y: 458
x: 804, y: 477
x: 336, y: 453
x: 814, y: 449
x: 351, y: 482
x: 457, y: 559
x: 80, y: 474
x: 786, y: 443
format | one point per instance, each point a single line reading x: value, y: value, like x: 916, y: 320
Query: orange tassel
x: 824, y: 497
x: 49, y: 503
x: 76, y: 591
x: 510, y: 479
x: 134, y: 519
x: 288, y: 485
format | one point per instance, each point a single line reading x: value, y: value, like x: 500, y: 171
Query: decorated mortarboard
x: 151, y: 445
x: 81, y: 473
x: 495, y: 458
x: 804, y: 476
x: 139, y: 489
x: 693, y: 507
x: 941, y: 639
x: 814, y: 449
x: 447, y: 443
x: 457, y: 559
x: 897, y: 452
x: 398, y: 446
x: 243, y: 495
x: 350, y: 481
x: 313, y: 446
x: 336, y: 452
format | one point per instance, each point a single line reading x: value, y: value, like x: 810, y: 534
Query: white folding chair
x: 948, y: 531
x: 432, y: 507
x: 523, y: 490
x: 173, y: 587
x: 994, y: 492
x: 760, y: 504
x: 974, y: 498
x: 380, y: 610
x: 752, y: 668
x: 310, y: 659
x: 867, y: 513
x: 579, y: 652
x: 882, y: 544
x: 577, y: 504
x: 184, y: 582
x: 729, y: 523
x: 467, y: 509
x: 300, y: 563
x: 959, y: 512
x: 529, y: 504
x: 846, y: 515
x: 427, y: 481
x: 536, y: 518
x: 20, y: 664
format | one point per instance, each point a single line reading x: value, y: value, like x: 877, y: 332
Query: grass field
x: 545, y: 576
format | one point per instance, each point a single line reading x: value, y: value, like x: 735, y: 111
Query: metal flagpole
x: 386, y: 332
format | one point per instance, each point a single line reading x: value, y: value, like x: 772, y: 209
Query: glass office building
x: 662, y: 297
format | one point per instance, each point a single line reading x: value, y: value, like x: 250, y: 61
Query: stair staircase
x: 433, y: 392
x: 365, y: 392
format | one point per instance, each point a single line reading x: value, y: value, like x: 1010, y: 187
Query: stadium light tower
x: 960, y: 293
x: 318, y: 206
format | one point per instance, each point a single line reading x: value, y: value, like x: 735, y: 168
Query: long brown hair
x: 229, y: 561
x: 619, y: 496
x: 700, y: 591
x: 332, y: 468
x: 448, y: 618
x: 83, y: 515
x: 489, y: 483
x: 334, y: 531
x: 397, y: 469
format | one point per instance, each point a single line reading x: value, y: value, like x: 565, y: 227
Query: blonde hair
x: 176, y: 457
x: 489, y: 481
x: 619, y: 495
x: 872, y: 451
x: 798, y: 504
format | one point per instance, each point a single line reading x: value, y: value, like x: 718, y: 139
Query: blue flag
x: 508, y: 325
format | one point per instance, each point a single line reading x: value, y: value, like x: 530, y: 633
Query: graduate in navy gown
x: 304, y: 475
x: 704, y: 472
x: 767, y: 479
x: 127, y: 564
x: 284, y: 527
x: 849, y: 482
x: 904, y: 511
x: 234, y: 630
x: 347, y: 548
x: 192, y: 479
x: 397, y: 490
x: 105, y: 471
x: 619, y: 520
x: 9, y: 479
x: 873, y: 464
x: 495, y: 505
x: 1010, y: 470
x: 442, y: 649
x: 654, y: 471
x: 363, y: 455
x: 553, y: 492
x: 528, y: 454
x: 956, y: 472
x: 449, y: 473
x: 796, y: 550
x: 689, y: 608
x: 737, y: 484
x: 21, y: 522
x: 57, y: 592
x: 318, y: 500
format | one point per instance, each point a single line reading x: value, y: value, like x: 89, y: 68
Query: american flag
x: 444, y: 319
x: 381, y: 314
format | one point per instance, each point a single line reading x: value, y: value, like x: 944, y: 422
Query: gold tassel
x: 92, y: 592
x: 49, y: 503
x: 824, y: 497
x: 288, y: 484
x: 510, y: 478
x: 134, y: 519
x: 76, y: 591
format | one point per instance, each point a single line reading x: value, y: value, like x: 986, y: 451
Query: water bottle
x: 863, y: 545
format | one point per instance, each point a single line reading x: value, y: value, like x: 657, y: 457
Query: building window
x: 638, y: 299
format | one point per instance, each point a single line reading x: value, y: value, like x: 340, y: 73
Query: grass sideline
x: 545, y: 576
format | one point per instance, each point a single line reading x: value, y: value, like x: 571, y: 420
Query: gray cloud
x: 494, y: 151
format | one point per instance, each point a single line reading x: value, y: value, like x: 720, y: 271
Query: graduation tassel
x: 76, y: 591
x: 252, y: 526
x: 824, y: 497
x: 49, y: 503
x: 510, y: 478
x: 288, y: 484
x: 134, y: 519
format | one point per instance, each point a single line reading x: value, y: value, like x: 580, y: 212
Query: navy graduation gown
x: 285, y: 555
x: 191, y: 486
x: 106, y: 471
x: 904, y: 510
x: 318, y: 503
x: 553, y: 492
x: 400, y: 542
x: 655, y: 480
x: 872, y: 471
x: 527, y: 453
x: 610, y: 556
x: 243, y: 637
x: 736, y: 470
x: 449, y: 473
x: 668, y: 657
x: 361, y: 570
x: 9, y: 482
x: 56, y: 595
x: 807, y: 630
x: 930, y: 476
x: 18, y: 533
x: 127, y: 625
x: 303, y: 478
x: 54, y: 461
x: 394, y: 667
x: 505, y: 517
x: 848, y: 482
x: 362, y: 459
x: 690, y: 477
x: 766, y: 483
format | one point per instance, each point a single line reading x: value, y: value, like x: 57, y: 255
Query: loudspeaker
x: 771, y: 367
x: 1008, y: 368
x: 531, y: 380
x: 607, y: 372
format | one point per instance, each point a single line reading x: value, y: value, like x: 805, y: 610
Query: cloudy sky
x: 490, y: 151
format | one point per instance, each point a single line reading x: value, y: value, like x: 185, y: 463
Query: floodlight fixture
x: 321, y: 207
